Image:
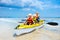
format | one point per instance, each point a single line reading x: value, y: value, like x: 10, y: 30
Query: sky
x: 21, y: 8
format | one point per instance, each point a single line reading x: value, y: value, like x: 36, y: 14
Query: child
x: 37, y: 17
x: 29, y: 20
x: 34, y: 18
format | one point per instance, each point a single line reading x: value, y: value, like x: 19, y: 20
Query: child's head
x: 37, y: 13
x: 29, y: 15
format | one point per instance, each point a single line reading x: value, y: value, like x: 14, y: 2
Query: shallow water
x: 52, y: 28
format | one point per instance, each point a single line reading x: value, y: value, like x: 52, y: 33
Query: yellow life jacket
x: 34, y: 19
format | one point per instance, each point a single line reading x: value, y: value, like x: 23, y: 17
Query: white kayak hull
x: 22, y: 31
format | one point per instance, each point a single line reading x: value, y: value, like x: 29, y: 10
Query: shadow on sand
x: 26, y: 33
x: 23, y: 33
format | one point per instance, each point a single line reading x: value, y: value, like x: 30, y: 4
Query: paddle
x: 23, y: 20
x: 20, y: 22
x: 17, y: 26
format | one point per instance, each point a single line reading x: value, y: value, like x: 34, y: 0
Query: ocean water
x: 7, y: 26
x: 17, y: 20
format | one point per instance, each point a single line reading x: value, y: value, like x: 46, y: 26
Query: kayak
x: 30, y: 26
x: 23, y: 29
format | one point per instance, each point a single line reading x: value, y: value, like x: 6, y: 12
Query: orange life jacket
x: 30, y: 20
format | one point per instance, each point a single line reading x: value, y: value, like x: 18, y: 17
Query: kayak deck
x: 30, y: 26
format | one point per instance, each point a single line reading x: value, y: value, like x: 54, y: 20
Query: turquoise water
x: 17, y: 20
x: 11, y: 23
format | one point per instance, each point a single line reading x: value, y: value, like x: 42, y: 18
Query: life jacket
x: 37, y: 18
x: 30, y: 20
x: 34, y: 19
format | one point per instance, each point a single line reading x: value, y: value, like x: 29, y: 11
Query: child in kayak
x: 37, y: 17
x: 29, y: 20
x: 34, y: 18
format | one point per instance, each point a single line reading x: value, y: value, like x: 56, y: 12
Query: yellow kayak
x: 30, y: 26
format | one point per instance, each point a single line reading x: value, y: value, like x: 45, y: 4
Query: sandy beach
x: 44, y: 33
x: 40, y: 34
x: 47, y: 32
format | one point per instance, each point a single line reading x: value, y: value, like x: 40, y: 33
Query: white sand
x: 40, y: 34
x: 7, y: 29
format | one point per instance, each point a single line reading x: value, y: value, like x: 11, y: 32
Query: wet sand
x: 40, y: 34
